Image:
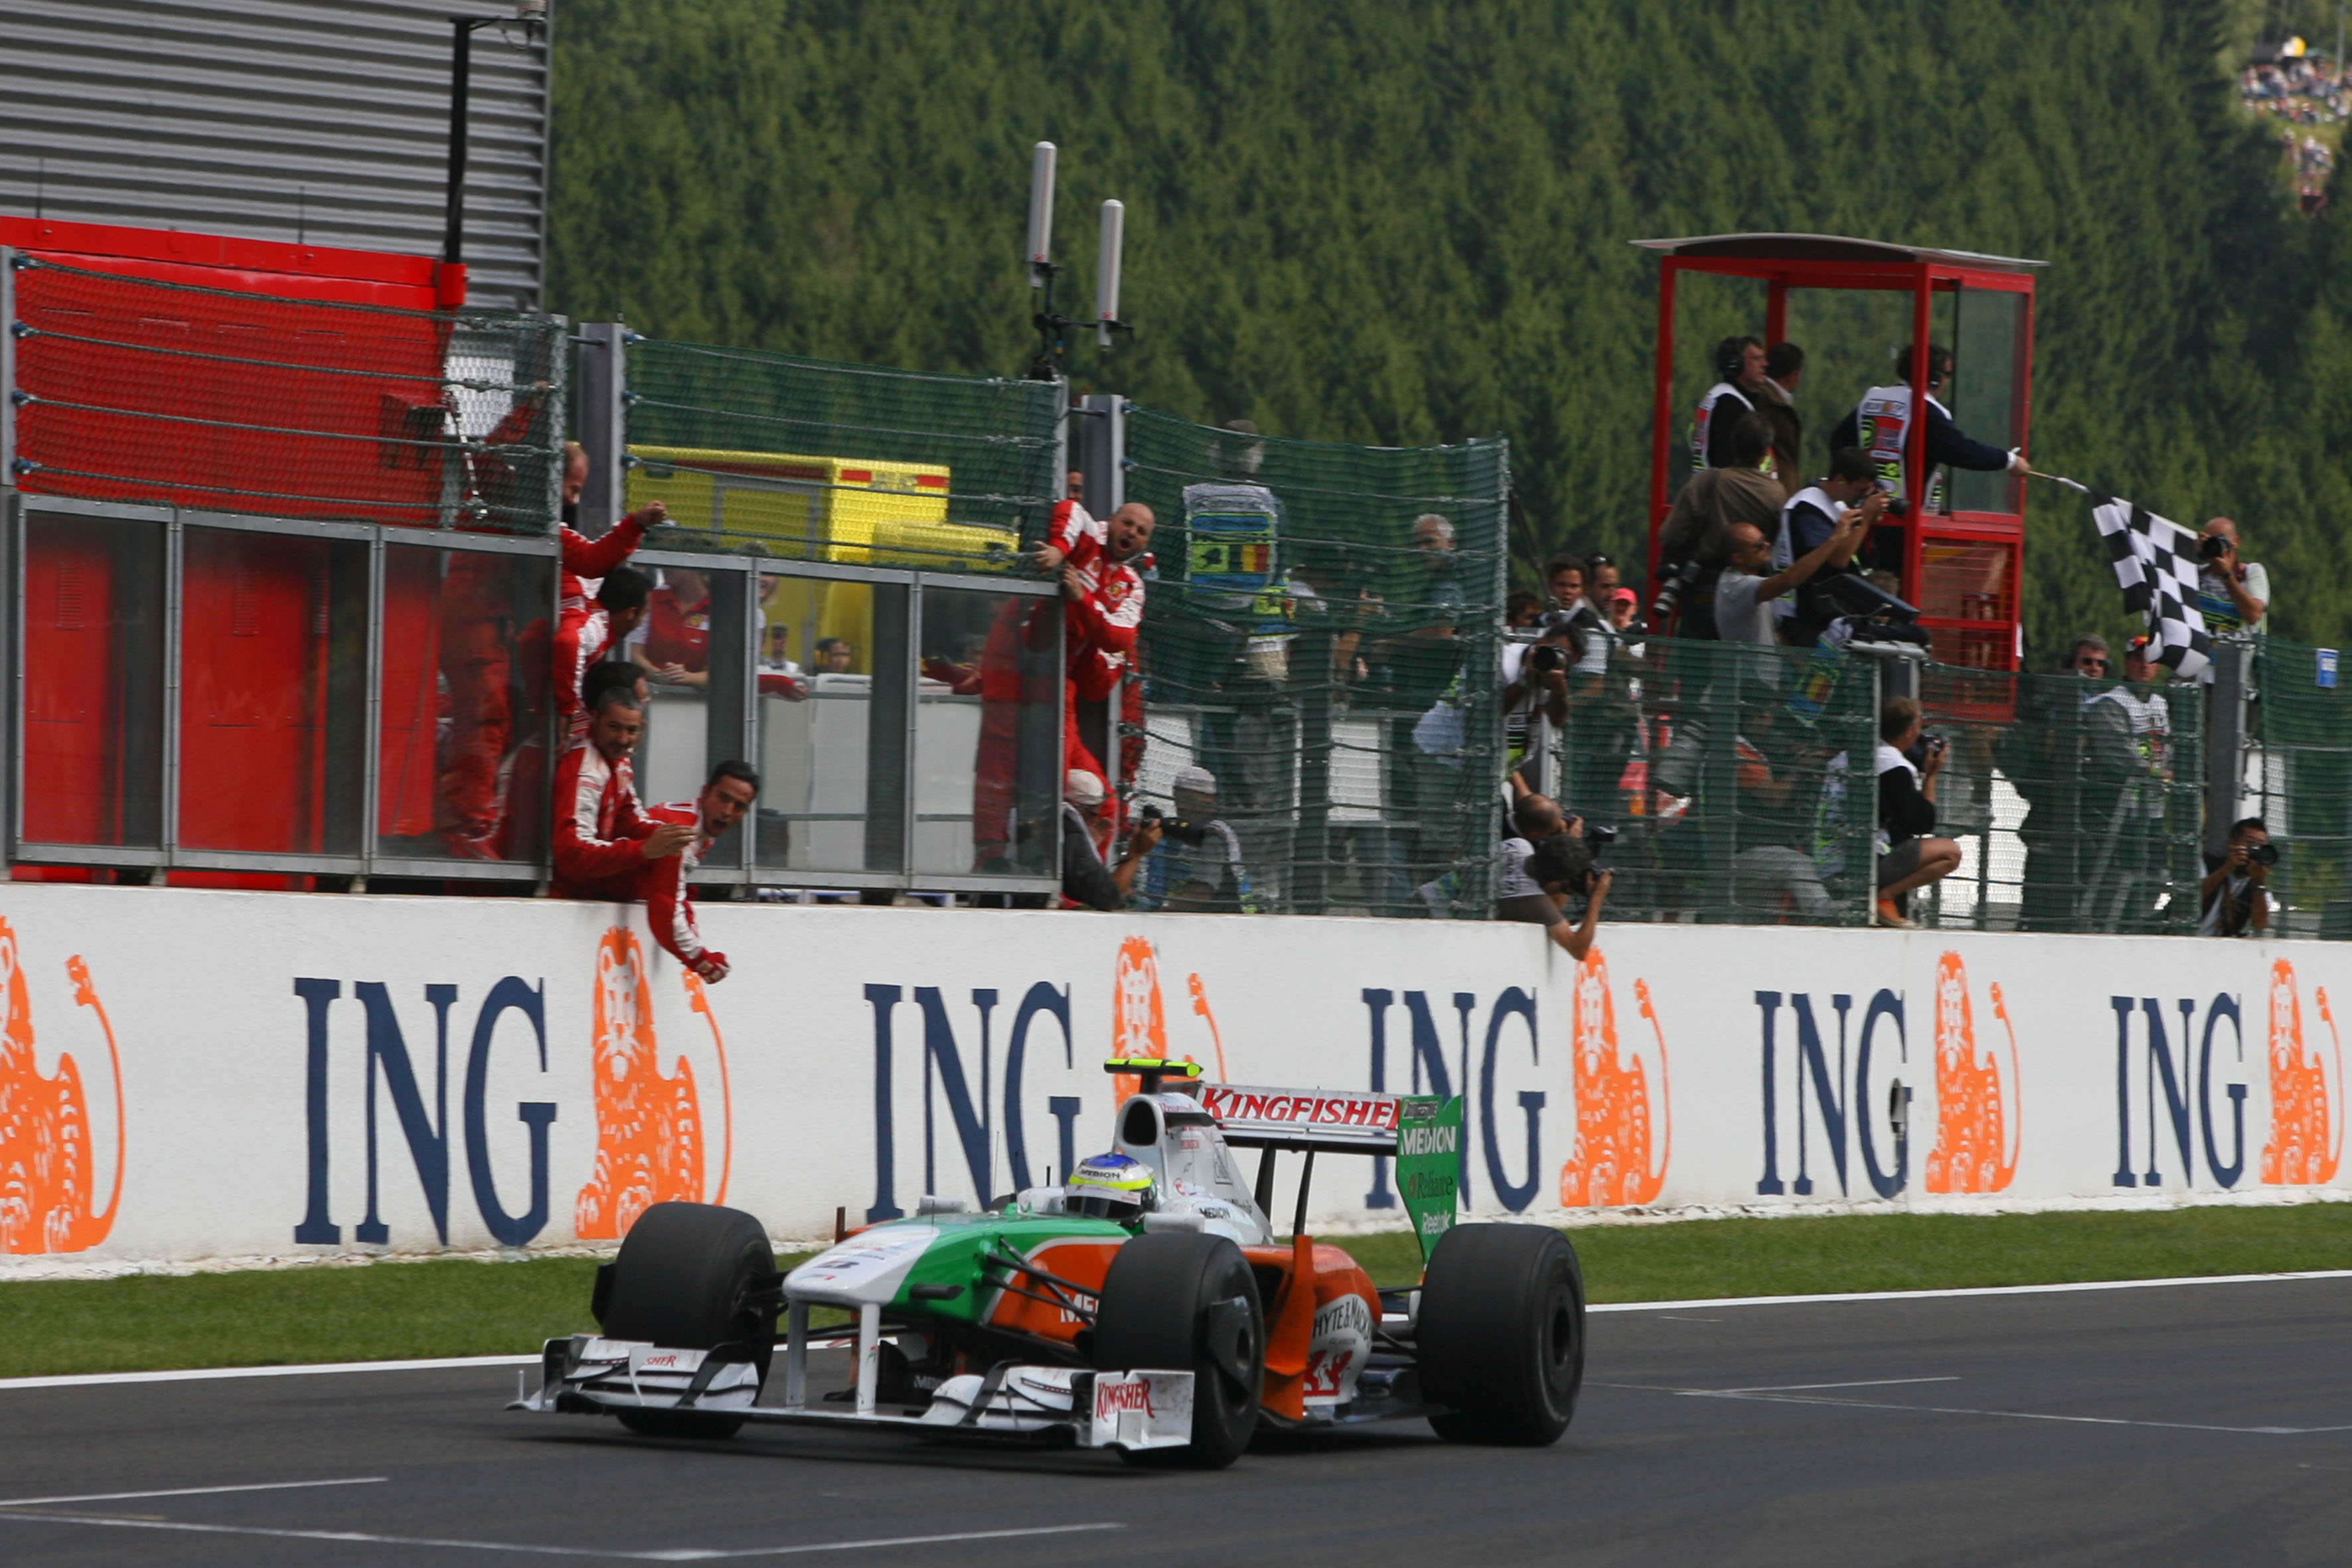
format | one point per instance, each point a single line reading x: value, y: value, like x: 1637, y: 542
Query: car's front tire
x: 1166, y: 1303
x: 682, y: 1280
x: 1500, y: 1338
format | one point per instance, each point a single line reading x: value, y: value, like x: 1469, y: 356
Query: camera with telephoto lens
x: 2262, y: 854
x: 2212, y: 547
x: 1546, y: 659
x: 1194, y: 833
x: 1933, y: 743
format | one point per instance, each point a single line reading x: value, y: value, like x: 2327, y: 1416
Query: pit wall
x: 190, y: 1077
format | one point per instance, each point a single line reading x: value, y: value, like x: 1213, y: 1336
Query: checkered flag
x: 2156, y: 566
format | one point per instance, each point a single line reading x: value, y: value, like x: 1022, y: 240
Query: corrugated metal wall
x: 325, y: 120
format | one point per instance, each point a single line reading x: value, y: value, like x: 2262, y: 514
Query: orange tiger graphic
x: 2303, y: 1122
x: 649, y: 1129
x: 1977, y: 1132
x: 46, y: 1193
x: 1611, y: 1161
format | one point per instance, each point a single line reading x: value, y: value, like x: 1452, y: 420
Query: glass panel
x: 93, y: 692
x: 987, y: 734
x: 832, y: 744
x: 273, y: 685
x: 1989, y: 348
x: 464, y: 721
x: 690, y: 646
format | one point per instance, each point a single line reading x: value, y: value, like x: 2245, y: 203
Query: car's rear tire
x: 682, y: 1280
x: 1157, y: 1313
x: 1501, y: 1335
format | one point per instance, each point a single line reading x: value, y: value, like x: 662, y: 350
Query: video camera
x: 1190, y: 834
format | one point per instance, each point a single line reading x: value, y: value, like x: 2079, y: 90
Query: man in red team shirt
x: 1102, y: 609
x: 609, y: 846
x: 726, y: 799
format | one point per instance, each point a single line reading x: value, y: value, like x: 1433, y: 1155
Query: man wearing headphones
x: 1881, y: 427
x: 1740, y: 363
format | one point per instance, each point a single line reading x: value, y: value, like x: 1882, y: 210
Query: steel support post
x: 1099, y: 450
x: 604, y: 383
x: 2225, y: 740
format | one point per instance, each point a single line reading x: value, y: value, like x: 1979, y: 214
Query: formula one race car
x: 1144, y: 1306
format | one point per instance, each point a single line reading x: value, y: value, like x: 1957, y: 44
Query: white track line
x: 194, y: 1491
x: 2004, y: 1414
x: 1807, y: 1387
x: 668, y: 1555
x: 98, y: 1379
x: 1972, y: 1290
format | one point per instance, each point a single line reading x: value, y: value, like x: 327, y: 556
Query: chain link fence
x: 2298, y: 780
x: 1320, y: 640
x: 131, y: 389
x: 1737, y: 779
x: 2077, y: 804
x: 767, y: 454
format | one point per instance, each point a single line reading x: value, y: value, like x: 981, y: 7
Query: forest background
x: 1405, y: 224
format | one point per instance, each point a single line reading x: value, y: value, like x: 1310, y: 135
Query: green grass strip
x: 392, y: 1311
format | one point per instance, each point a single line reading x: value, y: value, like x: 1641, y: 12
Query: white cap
x: 1197, y: 781
x: 1083, y: 788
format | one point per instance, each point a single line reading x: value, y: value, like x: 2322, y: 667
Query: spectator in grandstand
x: 1738, y: 392
x: 673, y: 642
x: 1536, y: 677
x: 2234, y: 594
x: 1696, y: 537
x: 1909, y: 859
x: 1744, y: 594
x: 1812, y: 516
x: 1772, y: 870
x: 2127, y: 875
x: 595, y: 631
x: 1522, y: 610
x: 1197, y: 868
x: 834, y: 656
x: 2043, y: 755
x: 1784, y: 363
x: 1569, y: 579
x: 1086, y: 881
x: 1880, y: 423
x: 1564, y: 582
x: 1624, y: 611
x: 1545, y: 861
x: 2234, y: 897
x: 1600, y: 582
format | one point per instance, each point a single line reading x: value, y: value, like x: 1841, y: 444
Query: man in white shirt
x: 1744, y: 596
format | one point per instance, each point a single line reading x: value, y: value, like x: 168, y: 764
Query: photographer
x: 2235, y: 596
x: 1086, y: 881
x: 2234, y: 892
x: 1548, y: 861
x: 1536, y: 673
x: 1197, y: 868
x: 1907, y: 857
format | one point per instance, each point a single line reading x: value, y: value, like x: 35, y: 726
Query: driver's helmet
x: 1112, y: 1187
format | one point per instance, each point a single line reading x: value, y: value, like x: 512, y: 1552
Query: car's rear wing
x: 1422, y: 1132
x: 1310, y: 1120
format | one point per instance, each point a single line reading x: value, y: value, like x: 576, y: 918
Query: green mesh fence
x: 1321, y: 637
x: 1738, y: 780
x: 2298, y: 780
x: 133, y: 390
x: 770, y: 454
x: 2077, y: 804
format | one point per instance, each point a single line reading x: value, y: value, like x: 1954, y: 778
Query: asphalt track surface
x: 2202, y: 1423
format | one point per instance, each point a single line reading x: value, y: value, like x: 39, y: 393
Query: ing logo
x: 650, y: 1134
x: 2306, y: 1126
x: 1615, y: 1121
x: 1979, y: 1133
x: 48, y: 1192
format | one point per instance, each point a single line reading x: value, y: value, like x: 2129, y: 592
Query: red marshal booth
x: 1958, y: 539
